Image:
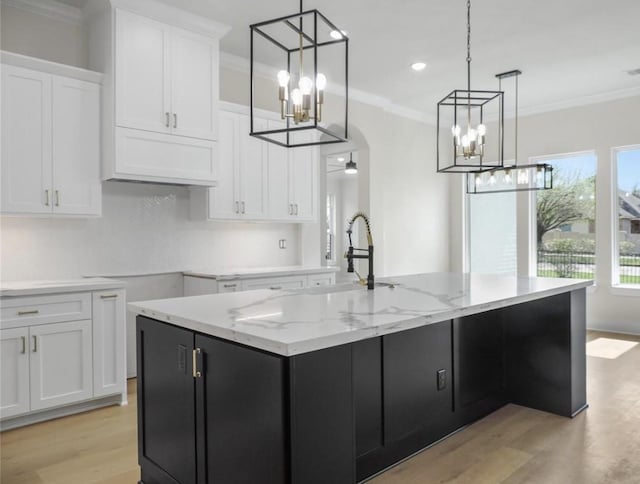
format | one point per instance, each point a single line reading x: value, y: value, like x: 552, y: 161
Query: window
x: 565, y: 218
x: 492, y: 233
x: 627, y: 215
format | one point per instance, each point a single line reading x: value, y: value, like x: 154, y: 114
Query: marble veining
x: 290, y: 322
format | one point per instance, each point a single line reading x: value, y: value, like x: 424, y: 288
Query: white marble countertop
x: 290, y: 322
x: 223, y: 274
x: 32, y: 288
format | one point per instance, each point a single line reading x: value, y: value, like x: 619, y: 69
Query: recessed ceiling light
x: 341, y: 159
x: 418, y: 66
x: 337, y: 35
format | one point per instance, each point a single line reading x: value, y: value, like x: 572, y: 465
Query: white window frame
x: 533, y: 207
x: 617, y: 288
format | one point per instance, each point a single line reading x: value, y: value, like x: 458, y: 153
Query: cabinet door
x: 194, y: 84
x: 252, y: 170
x: 26, y: 141
x: 412, y: 396
x: 14, y: 372
x: 60, y: 364
x: 280, y: 205
x: 142, y: 77
x: 108, y: 342
x: 224, y: 201
x: 304, y: 180
x: 166, y: 402
x: 240, y: 395
x: 76, y: 147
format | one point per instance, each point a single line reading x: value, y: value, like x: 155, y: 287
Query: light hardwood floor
x: 512, y: 445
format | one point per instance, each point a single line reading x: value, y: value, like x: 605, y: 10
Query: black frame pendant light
x: 350, y: 167
x: 515, y: 177
x: 302, y: 46
x: 464, y: 142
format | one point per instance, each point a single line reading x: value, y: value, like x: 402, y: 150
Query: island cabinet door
x: 240, y: 407
x: 166, y: 402
x: 478, y: 347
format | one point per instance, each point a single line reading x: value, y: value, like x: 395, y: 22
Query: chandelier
x: 467, y: 134
x: 299, y: 42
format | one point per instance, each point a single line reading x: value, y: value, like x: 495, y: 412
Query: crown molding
x: 49, y: 8
x: 241, y: 64
x: 580, y: 101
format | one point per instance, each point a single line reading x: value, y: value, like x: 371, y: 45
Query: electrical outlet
x: 442, y: 379
x: 282, y: 243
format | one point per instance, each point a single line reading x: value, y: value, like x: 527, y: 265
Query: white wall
x: 597, y: 127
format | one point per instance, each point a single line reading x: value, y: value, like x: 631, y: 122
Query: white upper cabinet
x: 194, y: 81
x: 50, y: 138
x: 143, y: 76
x: 303, y: 180
x: 77, y: 188
x: 259, y: 180
x: 26, y: 141
x: 161, y: 91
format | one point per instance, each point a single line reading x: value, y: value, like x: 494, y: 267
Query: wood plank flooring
x: 514, y: 445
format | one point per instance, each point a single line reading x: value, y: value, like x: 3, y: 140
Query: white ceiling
x: 568, y: 50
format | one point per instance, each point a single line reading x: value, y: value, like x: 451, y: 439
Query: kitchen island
x: 337, y: 383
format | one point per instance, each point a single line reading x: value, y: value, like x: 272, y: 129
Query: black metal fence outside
x: 582, y: 265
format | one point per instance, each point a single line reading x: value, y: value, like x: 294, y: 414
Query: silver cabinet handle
x: 194, y: 363
x: 35, y: 344
x: 24, y: 344
x: 275, y: 288
x: 46, y: 197
x: 108, y: 296
x: 57, y: 198
x: 242, y: 203
x: 175, y: 120
x: 25, y: 313
x: 166, y: 120
x: 237, y: 207
x: 296, y: 209
x: 229, y: 285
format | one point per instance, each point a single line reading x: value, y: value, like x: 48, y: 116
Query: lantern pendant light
x: 301, y: 88
x: 468, y: 139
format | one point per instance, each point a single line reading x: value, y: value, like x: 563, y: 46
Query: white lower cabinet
x: 61, y: 349
x: 60, y: 364
x: 196, y: 286
x: 109, y: 372
x: 14, y: 372
x: 275, y: 283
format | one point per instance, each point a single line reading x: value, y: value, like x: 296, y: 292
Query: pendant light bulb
x: 283, y: 78
x: 455, y: 130
x: 305, y: 84
x: 296, y: 97
x: 507, y: 176
x: 321, y: 82
x: 465, y: 141
x: 482, y: 129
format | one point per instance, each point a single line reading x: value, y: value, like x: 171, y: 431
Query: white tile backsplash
x: 144, y: 228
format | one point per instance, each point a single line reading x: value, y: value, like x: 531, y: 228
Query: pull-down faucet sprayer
x: 369, y: 281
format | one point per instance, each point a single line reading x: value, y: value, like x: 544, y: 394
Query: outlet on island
x: 282, y: 243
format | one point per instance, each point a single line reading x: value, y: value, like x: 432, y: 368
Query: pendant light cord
x: 468, y: 62
x: 301, y: 44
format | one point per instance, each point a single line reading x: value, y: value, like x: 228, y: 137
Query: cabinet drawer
x: 275, y: 283
x: 229, y: 286
x: 33, y: 310
x: 197, y: 286
x: 321, y: 280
